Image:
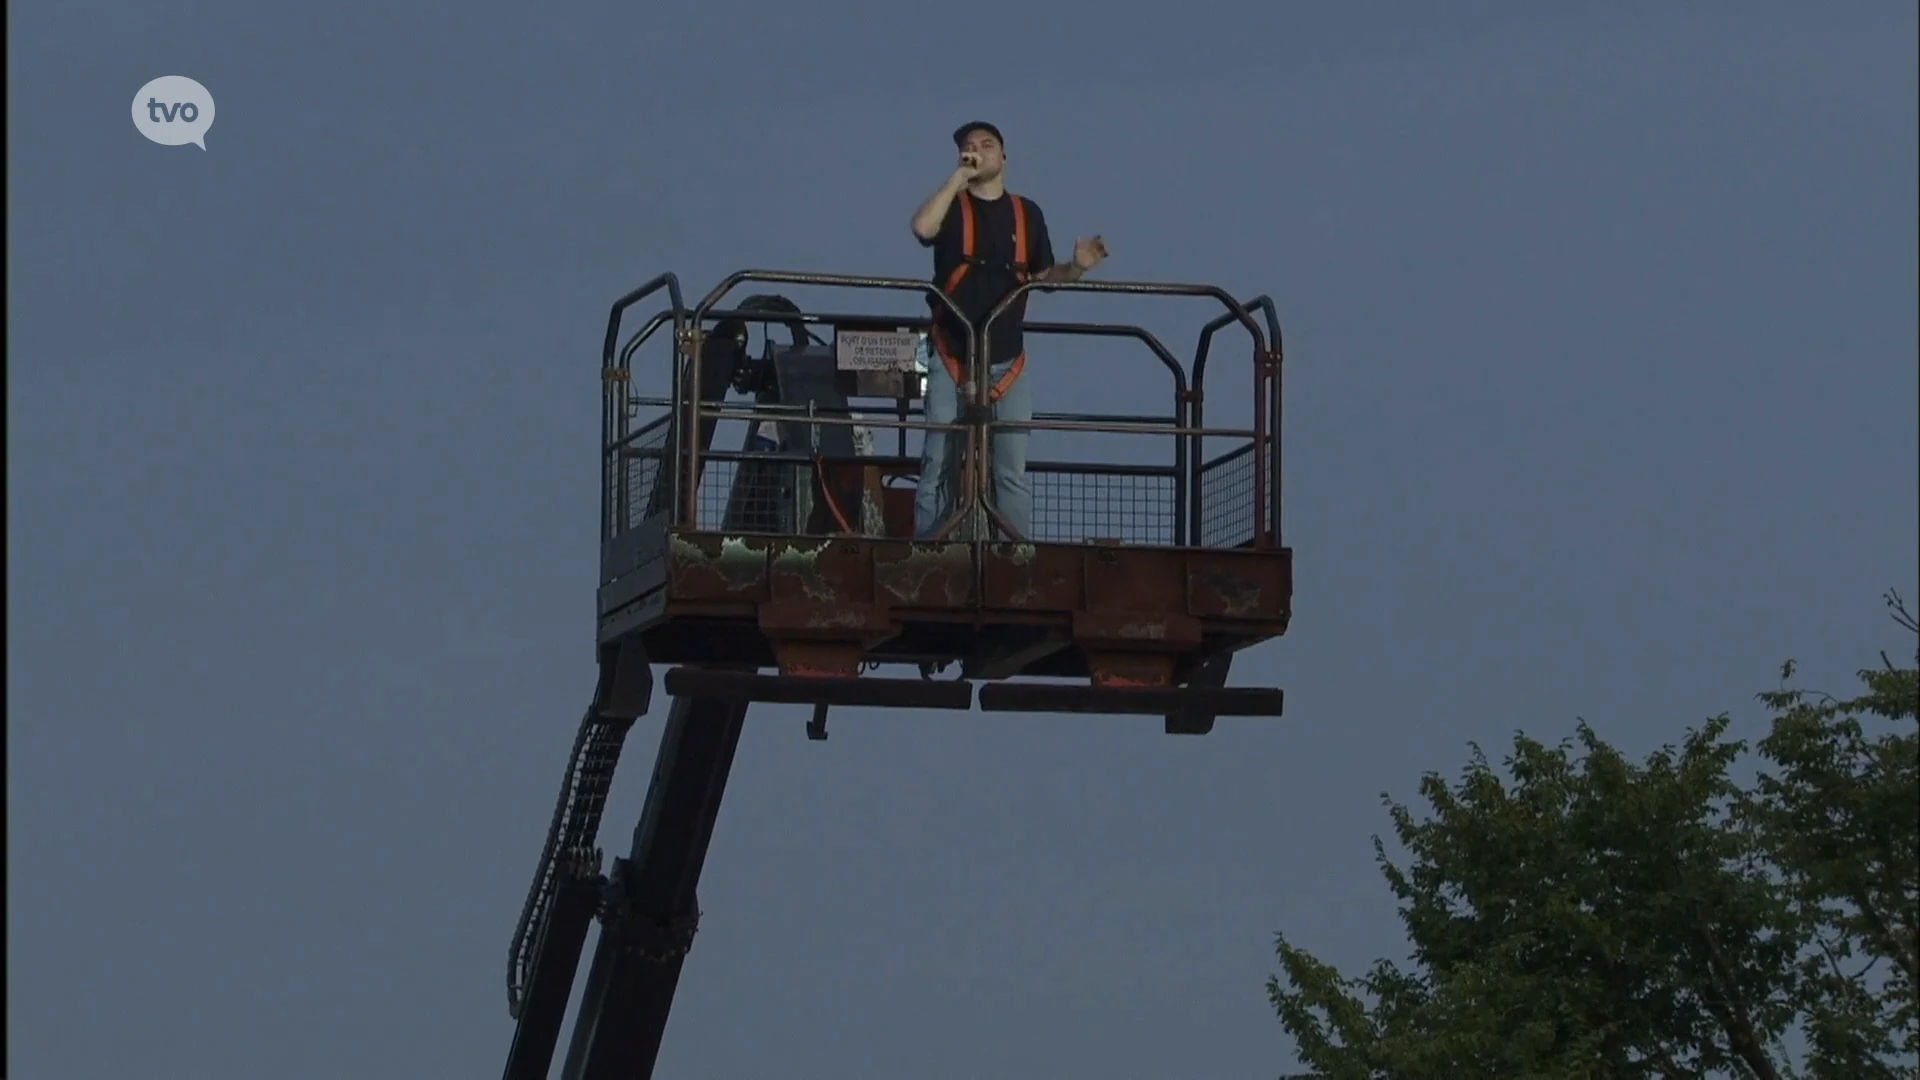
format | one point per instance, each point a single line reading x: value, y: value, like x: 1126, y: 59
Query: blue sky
x: 1601, y: 403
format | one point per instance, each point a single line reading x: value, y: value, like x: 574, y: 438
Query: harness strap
x: 958, y: 369
x: 968, y: 258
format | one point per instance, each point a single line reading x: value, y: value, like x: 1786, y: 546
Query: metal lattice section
x: 753, y: 496
x: 1227, y: 505
x: 1071, y: 506
x: 570, y: 846
x: 639, y: 466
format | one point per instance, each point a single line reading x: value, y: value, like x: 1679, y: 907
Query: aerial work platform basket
x: 797, y: 552
x: 791, y: 568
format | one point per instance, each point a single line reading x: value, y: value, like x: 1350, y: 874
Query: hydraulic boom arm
x: 651, y: 911
x: 646, y: 905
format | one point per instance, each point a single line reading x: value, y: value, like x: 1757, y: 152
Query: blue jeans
x: 934, y: 502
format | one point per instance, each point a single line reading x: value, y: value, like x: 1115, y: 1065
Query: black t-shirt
x: 986, y: 285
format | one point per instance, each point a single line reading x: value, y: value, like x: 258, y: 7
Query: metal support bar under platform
x: 1132, y: 701
x: 875, y: 693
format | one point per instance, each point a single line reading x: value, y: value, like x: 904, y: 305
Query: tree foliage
x: 1591, y: 916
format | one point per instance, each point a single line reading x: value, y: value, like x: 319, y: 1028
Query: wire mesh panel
x: 639, y: 468
x: 742, y: 495
x: 1076, y: 503
x: 1227, y: 505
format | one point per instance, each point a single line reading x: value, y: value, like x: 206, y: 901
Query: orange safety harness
x: 955, y: 367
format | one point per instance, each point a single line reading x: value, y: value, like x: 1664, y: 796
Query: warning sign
x: 875, y: 350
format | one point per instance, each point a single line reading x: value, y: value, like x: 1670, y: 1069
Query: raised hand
x: 1088, y: 253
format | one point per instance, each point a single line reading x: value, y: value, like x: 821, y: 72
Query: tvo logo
x: 174, y: 110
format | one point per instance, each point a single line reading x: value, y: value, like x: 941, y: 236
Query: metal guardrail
x: 1231, y: 500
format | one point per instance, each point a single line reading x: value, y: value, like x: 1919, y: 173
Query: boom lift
x: 796, y: 554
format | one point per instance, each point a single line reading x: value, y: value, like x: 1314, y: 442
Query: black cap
x: 960, y: 133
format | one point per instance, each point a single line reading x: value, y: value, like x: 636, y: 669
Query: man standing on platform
x: 986, y: 242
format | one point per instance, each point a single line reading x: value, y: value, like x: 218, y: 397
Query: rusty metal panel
x: 809, y: 620
x: 922, y: 575
x: 1137, y: 631
x: 819, y: 571
x: 1130, y: 669
x: 818, y: 659
x: 1032, y: 577
x: 1134, y: 579
x: 1240, y: 585
x: 709, y: 566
